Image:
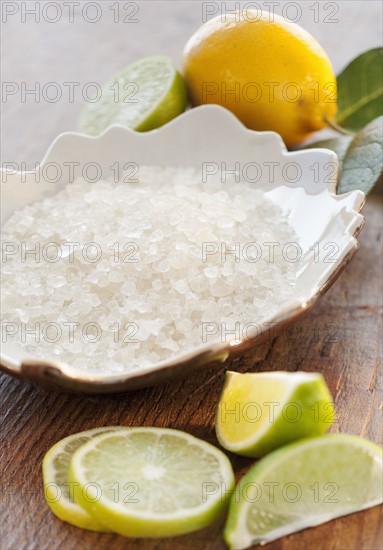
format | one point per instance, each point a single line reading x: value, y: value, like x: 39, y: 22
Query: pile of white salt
x: 114, y: 277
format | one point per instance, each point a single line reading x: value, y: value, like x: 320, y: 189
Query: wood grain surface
x: 340, y: 337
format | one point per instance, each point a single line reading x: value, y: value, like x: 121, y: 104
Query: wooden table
x: 340, y: 337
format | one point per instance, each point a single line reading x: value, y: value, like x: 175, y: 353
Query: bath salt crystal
x: 157, y: 268
x: 211, y: 272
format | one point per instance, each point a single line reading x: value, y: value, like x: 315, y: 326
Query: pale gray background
x: 84, y: 52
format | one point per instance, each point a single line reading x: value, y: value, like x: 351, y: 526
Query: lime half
x: 58, y: 493
x: 304, y: 484
x: 142, y: 96
x: 259, y: 412
x: 151, y: 482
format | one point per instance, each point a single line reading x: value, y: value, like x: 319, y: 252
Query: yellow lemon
x: 271, y: 73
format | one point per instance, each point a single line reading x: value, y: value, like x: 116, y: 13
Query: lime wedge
x: 259, y: 412
x: 142, y: 96
x: 304, y: 484
x: 151, y: 482
x: 58, y: 495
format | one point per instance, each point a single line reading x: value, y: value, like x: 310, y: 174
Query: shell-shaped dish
x: 302, y: 183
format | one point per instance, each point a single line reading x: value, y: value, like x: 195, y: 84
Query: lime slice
x: 58, y: 493
x: 304, y: 484
x: 142, y: 96
x: 151, y: 482
x: 259, y: 412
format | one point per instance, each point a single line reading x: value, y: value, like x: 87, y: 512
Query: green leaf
x: 360, y: 158
x: 360, y: 90
x: 363, y: 163
x: 338, y: 145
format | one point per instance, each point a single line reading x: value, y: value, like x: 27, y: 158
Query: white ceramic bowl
x: 303, y: 184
